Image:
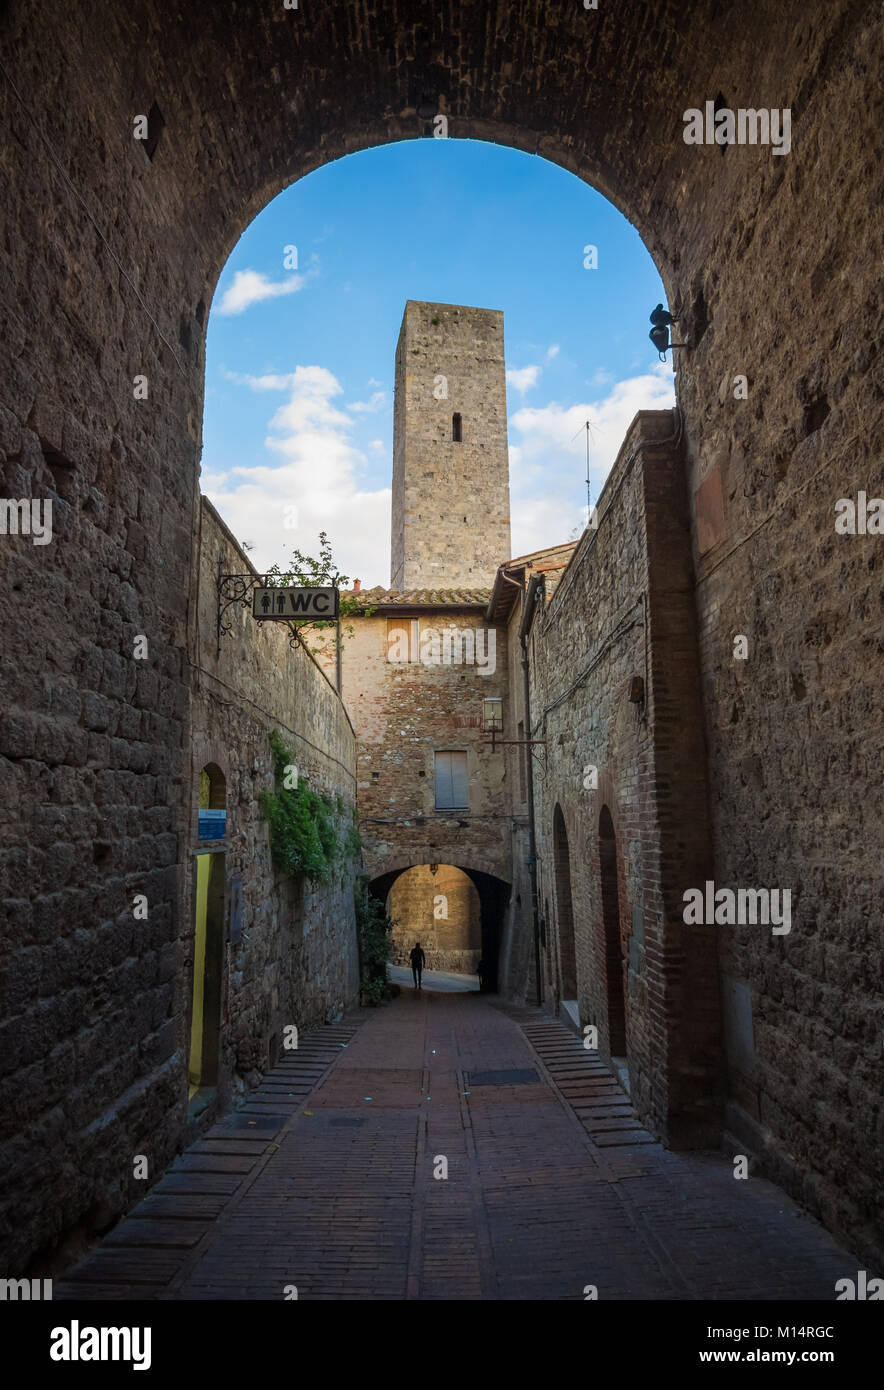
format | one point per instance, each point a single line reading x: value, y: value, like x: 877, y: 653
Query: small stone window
x: 456, y: 428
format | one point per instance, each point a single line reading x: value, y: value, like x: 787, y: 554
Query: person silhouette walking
x: 418, y: 961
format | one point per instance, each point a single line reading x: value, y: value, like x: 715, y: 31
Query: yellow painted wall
x: 203, y: 866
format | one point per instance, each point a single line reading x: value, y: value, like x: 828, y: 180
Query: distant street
x: 442, y: 980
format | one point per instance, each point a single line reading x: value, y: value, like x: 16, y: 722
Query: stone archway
x: 437, y: 904
x: 493, y: 895
x: 111, y: 258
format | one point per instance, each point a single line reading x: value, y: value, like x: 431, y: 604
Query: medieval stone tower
x: 451, y: 509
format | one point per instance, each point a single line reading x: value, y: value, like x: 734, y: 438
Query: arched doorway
x: 614, y: 958
x: 208, y: 938
x: 564, y: 911
x: 438, y: 905
x: 485, y: 892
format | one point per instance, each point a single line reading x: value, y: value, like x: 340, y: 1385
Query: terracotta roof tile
x: 429, y: 598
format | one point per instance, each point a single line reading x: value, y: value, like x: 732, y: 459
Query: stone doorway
x: 568, y: 1000
x: 614, y: 959
x: 208, y: 964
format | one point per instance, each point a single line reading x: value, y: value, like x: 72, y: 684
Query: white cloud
x: 370, y: 407
x: 251, y: 286
x: 548, y: 463
x: 552, y: 351
x: 523, y: 378
x: 270, y: 381
x: 310, y: 466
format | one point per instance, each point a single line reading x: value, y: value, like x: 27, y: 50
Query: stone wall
x: 402, y: 713
x: 451, y: 504
x: 623, y: 612
x: 518, y: 956
x: 298, y: 964
x: 96, y: 1000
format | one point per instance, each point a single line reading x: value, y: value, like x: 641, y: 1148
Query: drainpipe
x: 532, y: 596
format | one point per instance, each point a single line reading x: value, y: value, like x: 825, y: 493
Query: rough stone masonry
x: 110, y: 258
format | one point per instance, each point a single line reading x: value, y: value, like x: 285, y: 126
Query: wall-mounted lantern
x: 659, y: 334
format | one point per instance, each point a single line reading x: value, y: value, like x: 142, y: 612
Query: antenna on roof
x: 587, y: 425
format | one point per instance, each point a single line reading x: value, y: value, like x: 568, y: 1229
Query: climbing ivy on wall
x: 310, y: 832
x: 374, y: 931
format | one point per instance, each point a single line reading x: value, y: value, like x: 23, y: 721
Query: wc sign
x: 296, y: 605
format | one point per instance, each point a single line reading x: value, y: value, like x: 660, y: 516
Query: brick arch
x: 206, y: 751
x: 386, y: 872
x: 256, y: 113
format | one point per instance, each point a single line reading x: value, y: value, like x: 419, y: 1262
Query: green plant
x: 304, y: 837
x: 374, y: 934
x: 373, y: 992
x: 320, y: 571
x: 352, y: 840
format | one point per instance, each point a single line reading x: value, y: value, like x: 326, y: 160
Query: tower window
x: 456, y: 428
x: 155, y: 125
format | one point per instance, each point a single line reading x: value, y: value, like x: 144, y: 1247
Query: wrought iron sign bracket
x: 496, y: 742
x: 232, y: 589
x: 238, y: 588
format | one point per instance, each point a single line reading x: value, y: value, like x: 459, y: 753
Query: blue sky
x: 299, y: 375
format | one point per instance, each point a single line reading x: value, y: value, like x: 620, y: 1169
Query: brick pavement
x: 325, y: 1181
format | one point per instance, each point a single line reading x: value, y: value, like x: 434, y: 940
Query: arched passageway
x: 113, y: 275
x: 564, y: 908
x: 438, y: 905
x: 478, y: 903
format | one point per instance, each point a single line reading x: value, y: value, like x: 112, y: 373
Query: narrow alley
x: 324, y: 1184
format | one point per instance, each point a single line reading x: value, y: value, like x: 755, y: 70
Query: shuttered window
x: 452, y: 788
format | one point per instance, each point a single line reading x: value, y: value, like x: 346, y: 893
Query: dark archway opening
x: 494, y: 896
x: 614, y: 961
x: 564, y: 908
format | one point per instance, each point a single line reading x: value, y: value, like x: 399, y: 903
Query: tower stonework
x: 451, y: 509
